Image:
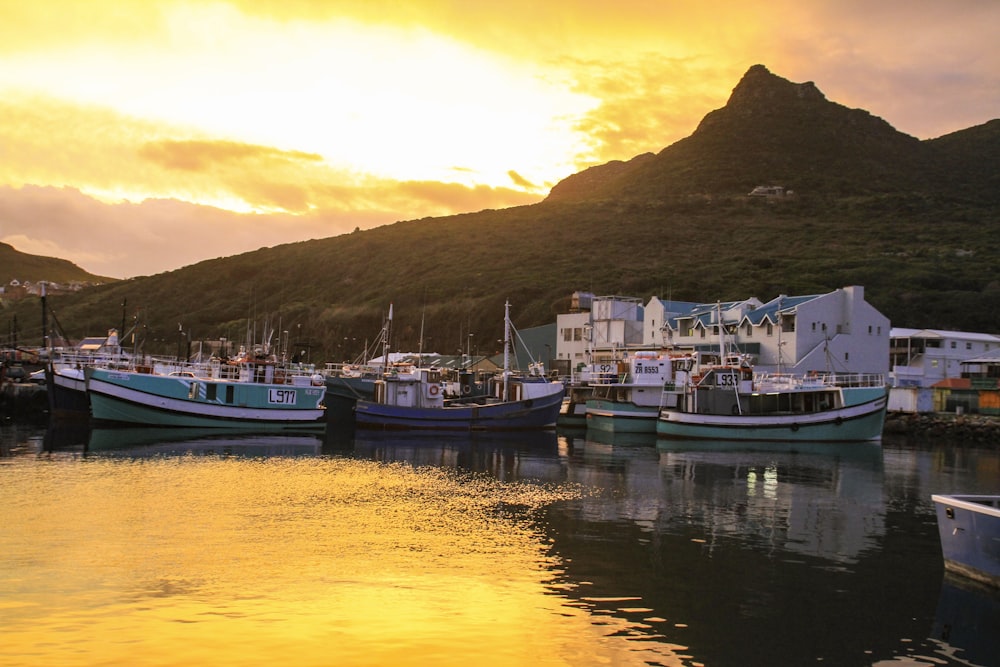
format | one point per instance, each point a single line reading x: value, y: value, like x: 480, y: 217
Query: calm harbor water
x: 157, y: 547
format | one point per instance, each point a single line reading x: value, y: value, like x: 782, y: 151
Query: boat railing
x: 780, y: 381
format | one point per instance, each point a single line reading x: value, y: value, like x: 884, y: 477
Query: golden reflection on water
x: 306, y: 561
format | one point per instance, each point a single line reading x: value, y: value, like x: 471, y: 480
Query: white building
x: 924, y: 357
x: 834, y: 332
x: 838, y: 331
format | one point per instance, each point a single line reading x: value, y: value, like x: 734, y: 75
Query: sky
x: 140, y: 137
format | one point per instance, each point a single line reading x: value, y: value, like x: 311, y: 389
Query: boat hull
x: 969, y: 528
x: 67, y: 393
x: 857, y: 422
x: 619, y: 417
x: 535, y: 413
x: 159, y: 400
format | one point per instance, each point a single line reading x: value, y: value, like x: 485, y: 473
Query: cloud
x: 127, y: 239
x: 203, y: 155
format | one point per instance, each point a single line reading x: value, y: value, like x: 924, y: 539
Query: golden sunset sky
x: 141, y: 136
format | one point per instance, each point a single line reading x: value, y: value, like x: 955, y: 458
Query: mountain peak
x: 759, y: 89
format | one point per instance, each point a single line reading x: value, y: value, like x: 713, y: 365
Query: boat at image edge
x: 969, y: 528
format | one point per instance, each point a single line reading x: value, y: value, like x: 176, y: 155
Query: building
x: 838, y: 331
x: 834, y: 332
x: 925, y: 357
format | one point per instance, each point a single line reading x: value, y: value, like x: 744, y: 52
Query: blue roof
x: 704, y: 313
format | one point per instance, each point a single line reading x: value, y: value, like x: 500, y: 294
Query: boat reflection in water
x: 567, y: 545
x: 507, y: 455
x: 967, y: 622
x: 145, y: 441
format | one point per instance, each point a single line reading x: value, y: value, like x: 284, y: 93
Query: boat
x: 415, y: 398
x: 969, y: 528
x: 628, y: 400
x: 248, y: 391
x: 573, y: 410
x: 731, y: 403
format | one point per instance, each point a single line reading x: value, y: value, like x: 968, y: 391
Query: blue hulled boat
x: 417, y: 398
x: 969, y: 527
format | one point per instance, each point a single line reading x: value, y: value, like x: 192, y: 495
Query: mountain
x: 15, y: 265
x: 773, y: 131
x: 915, y: 222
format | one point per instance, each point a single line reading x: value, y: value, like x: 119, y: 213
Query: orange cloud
x: 201, y: 155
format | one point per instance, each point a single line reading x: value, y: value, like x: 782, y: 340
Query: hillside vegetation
x: 914, y: 222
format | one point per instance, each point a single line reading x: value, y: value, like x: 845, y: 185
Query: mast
x: 45, y: 320
x: 506, y: 351
x: 385, y: 340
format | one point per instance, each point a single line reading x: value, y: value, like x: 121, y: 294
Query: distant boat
x: 969, y: 528
x: 248, y: 392
x: 728, y: 403
x: 415, y: 399
x: 628, y: 400
x: 573, y: 411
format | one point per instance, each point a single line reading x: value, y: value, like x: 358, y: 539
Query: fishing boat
x: 628, y: 401
x: 731, y: 403
x: 415, y: 398
x: 969, y: 528
x: 247, y: 391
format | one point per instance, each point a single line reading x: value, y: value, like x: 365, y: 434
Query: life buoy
x: 795, y: 427
x: 838, y: 421
x: 433, y: 390
x: 467, y: 389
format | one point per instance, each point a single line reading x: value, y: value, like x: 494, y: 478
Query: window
x: 847, y: 356
x: 953, y: 345
x: 578, y: 334
x: 770, y: 329
x: 968, y: 346
x: 749, y: 330
x: 567, y: 334
x: 869, y: 330
x: 814, y: 326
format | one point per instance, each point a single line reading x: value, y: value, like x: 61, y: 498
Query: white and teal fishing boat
x: 729, y: 403
x: 248, y: 392
x: 628, y: 400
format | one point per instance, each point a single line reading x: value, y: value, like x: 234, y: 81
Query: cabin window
x: 193, y: 391
x: 210, y: 391
x: 229, y: 393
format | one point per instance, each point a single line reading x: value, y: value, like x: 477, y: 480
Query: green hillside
x: 15, y: 265
x: 915, y: 222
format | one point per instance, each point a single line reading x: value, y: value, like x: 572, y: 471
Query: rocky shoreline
x: 973, y: 429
